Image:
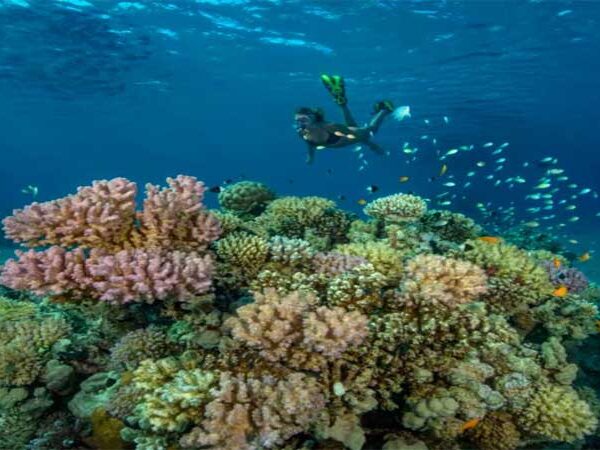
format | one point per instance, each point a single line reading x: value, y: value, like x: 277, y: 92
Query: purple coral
x: 570, y: 277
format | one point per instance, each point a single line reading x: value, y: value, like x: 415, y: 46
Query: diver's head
x: 305, y: 117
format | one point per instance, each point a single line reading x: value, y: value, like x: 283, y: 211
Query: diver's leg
x: 374, y: 147
x: 348, y: 116
x: 381, y: 110
x: 377, y: 120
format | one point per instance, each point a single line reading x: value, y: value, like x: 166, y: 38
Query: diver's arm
x: 310, y: 156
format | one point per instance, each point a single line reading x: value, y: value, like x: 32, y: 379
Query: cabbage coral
x: 245, y: 198
x: 558, y: 413
x: 396, y: 208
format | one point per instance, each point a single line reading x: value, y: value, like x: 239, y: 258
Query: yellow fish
x: 362, y: 201
x: 443, y: 169
x: 469, y: 424
x: 560, y: 291
x: 404, y: 179
x: 556, y: 262
x: 490, y: 239
x: 585, y: 257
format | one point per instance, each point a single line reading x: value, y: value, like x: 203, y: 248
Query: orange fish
x: 362, y: 201
x: 560, y: 291
x: 583, y: 258
x: 469, y: 424
x: 489, y: 239
x: 403, y: 179
x: 556, y: 262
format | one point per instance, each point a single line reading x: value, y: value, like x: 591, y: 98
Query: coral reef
x: 297, y: 327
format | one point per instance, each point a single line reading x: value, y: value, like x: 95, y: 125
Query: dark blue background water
x: 98, y: 89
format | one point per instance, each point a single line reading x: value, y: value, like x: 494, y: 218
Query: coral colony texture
x: 284, y: 323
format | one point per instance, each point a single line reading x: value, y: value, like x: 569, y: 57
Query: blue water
x: 96, y: 89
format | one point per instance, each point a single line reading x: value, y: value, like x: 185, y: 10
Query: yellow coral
x: 106, y: 431
x: 13, y: 310
x: 557, y: 413
x: 515, y: 277
x: 244, y: 253
x: 384, y: 258
x: 177, y: 403
x: 19, y: 363
x: 359, y: 288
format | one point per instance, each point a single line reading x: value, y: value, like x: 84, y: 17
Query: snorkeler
x: 311, y: 125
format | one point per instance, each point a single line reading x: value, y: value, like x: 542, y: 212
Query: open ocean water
x: 495, y: 116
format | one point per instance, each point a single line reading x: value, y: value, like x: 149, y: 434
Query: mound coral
x: 557, y: 413
x: 396, y: 208
x: 315, y: 219
x: 450, y: 226
x: 245, y: 198
x: 138, y: 345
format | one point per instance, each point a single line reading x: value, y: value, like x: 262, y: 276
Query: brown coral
x: 497, y: 431
x: 433, y: 280
x: 293, y: 331
x: 251, y: 413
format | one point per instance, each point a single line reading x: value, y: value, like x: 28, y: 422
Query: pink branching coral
x: 174, y: 218
x: 145, y: 256
x: 55, y: 271
x: 434, y: 280
x: 97, y: 216
x: 255, y: 413
x: 290, y: 329
x: 127, y: 276
x: 140, y: 275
